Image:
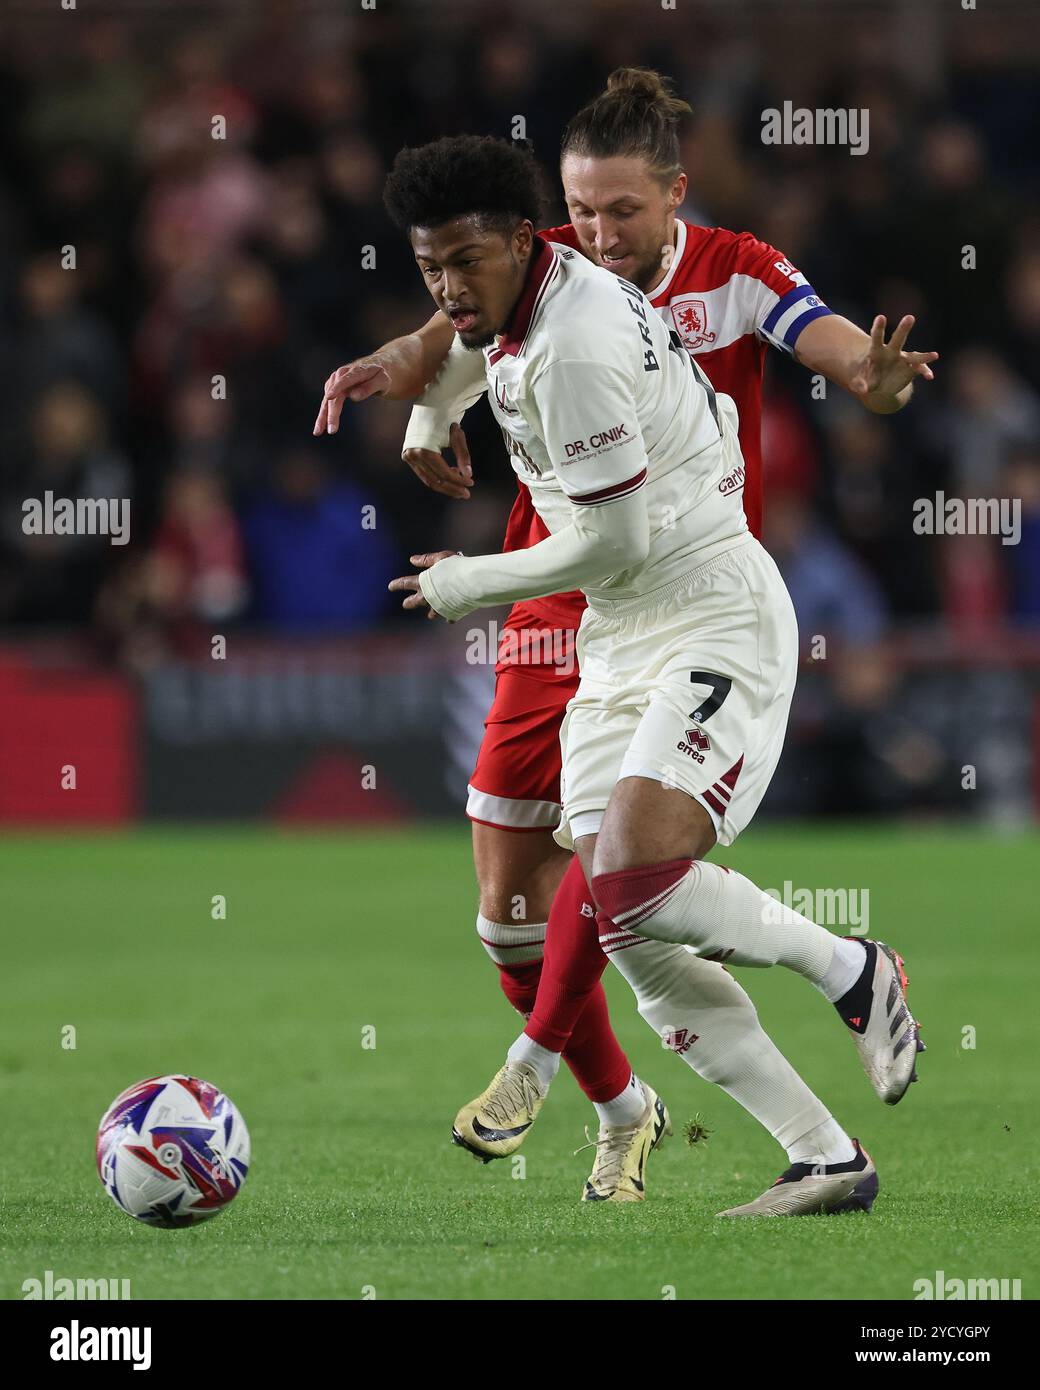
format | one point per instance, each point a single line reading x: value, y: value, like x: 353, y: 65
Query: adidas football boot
x: 622, y: 1151
x: 494, y: 1125
x: 886, y: 1034
x: 807, y: 1189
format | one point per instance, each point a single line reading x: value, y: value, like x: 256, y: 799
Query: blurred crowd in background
x: 244, y: 259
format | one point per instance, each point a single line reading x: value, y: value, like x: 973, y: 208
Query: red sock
x: 593, y: 1053
x: 520, y: 984
x: 570, y: 1011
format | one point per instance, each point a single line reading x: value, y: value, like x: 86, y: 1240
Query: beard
x: 477, y: 344
x: 647, y: 271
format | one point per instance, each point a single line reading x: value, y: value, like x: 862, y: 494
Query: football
x: 172, y: 1151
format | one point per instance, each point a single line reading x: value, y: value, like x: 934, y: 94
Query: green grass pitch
x: 355, y: 1186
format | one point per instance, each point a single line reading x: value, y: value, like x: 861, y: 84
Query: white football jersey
x: 597, y: 399
x: 605, y: 415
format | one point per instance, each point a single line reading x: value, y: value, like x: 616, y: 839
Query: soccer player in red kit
x: 726, y: 296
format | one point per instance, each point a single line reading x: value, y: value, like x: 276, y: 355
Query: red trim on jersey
x: 607, y: 494
x: 543, y: 260
x: 714, y: 802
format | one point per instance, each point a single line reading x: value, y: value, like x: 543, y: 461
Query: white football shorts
x: 690, y: 685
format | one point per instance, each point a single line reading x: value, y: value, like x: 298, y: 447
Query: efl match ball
x: 172, y: 1151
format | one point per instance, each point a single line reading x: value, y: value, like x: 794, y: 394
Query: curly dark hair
x: 495, y: 180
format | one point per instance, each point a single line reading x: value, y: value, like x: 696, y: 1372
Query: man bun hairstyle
x: 638, y: 114
x: 464, y: 175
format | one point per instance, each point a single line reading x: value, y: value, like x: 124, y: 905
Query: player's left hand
x: 409, y: 583
x: 886, y: 368
x: 354, y: 382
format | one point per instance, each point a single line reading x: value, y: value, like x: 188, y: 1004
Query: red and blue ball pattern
x: 172, y: 1151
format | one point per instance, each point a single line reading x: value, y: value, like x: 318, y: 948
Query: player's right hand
x: 355, y: 382
x: 433, y: 469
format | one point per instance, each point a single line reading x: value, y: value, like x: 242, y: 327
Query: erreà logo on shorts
x: 596, y: 443
x: 79, y: 1343
x: 695, y: 745
x: 80, y: 516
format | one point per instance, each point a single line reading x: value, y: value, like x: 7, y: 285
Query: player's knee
x: 612, y: 858
x: 648, y: 823
x: 497, y: 902
x: 617, y: 854
x: 517, y: 874
x: 507, y: 899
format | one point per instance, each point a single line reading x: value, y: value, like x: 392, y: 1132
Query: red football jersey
x: 726, y: 295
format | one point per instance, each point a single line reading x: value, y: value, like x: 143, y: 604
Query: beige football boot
x: 622, y: 1151
x: 494, y: 1125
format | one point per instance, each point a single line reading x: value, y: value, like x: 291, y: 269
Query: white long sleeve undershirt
x: 600, y: 541
x: 459, y: 384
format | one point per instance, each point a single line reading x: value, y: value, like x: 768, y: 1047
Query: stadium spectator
x: 1022, y: 482
x: 50, y: 577
x: 54, y: 339
x: 319, y: 561
x: 834, y: 595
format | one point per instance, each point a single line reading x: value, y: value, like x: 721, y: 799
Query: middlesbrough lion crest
x: 691, y: 319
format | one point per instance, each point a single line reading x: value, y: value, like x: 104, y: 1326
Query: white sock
x: 844, y: 970
x: 511, y: 943
x: 700, y: 1011
x: 545, y: 1063
x: 723, y: 916
x: 827, y: 1143
x: 627, y: 1106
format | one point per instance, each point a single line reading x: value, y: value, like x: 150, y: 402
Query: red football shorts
x: 516, y: 782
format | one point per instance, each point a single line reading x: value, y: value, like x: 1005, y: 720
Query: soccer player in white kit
x: 688, y: 649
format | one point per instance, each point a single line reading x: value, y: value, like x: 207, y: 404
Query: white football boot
x: 807, y: 1189
x: 886, y: 1035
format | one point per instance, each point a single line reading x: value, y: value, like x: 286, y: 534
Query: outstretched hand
x: 354, y: 382
x: 409, y: 583
x: 887, y: 368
